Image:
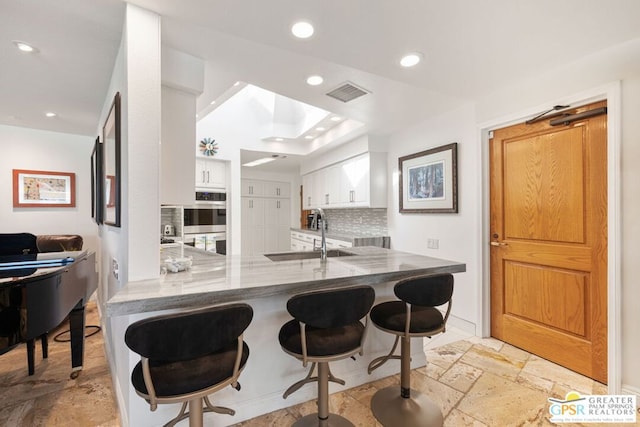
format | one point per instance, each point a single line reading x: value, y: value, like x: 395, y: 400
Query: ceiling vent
x: 347, y: 92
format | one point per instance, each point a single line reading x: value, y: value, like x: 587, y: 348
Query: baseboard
x: 461, y: 324
x: 115, y: 383
x: 629, y: 389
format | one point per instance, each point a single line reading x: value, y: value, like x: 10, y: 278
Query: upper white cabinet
x: 357, y: 182
x: 277, y: 189
x: 252, y: 187
x: 211, y: 173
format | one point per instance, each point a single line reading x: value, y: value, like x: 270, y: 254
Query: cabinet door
x: 252, y: 187
x: 216, y: 174
x: 201, y: 173
x: 320, y: 189
x: 253, y: 228
x: 308, y: 197
x: 211, y: 173
x: 355, y: 179
x: 277, y: 189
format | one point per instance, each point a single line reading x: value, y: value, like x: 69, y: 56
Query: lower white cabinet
x: 265, y: 221
x: 301, y: 241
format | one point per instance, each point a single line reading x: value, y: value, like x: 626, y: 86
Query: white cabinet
x: 277, y: 214
x: 301, y: 241
x: 253, y: 227
x: 357, y: 182
x: 266, y: 216
x: 277, y: 189
x: 211, y: 173
x: 252, y: 188
x: 308, y: 197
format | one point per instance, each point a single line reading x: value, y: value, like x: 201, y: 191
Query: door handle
x: 498, y: 244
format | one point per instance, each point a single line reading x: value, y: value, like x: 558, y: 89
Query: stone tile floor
x: 476, y: 382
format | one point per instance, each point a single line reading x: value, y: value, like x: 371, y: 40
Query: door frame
x: 612, y: 94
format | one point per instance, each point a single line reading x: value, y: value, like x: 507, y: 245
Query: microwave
x: 204, y: 218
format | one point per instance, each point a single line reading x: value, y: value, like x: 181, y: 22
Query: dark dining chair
x: 184, y: 357
x: 326, y: 327
x: 415, y: 314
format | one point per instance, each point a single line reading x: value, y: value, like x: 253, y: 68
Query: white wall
x: 33, y: 149
x: 177, y: 183
x: 456, y: 233
x: 135, y: 245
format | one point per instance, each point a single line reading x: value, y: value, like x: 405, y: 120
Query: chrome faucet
x: 322, y: 224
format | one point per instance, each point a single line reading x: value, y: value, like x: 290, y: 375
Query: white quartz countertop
x: 219, y: 279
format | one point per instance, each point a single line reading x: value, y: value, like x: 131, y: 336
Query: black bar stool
x: 187, y: 356
x: 414, y: 316
x: 326, y: 327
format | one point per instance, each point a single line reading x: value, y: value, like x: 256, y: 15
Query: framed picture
x: 96, y: 182
x: 428, y: 181
x: 111, y: 165
x: 37, y: 189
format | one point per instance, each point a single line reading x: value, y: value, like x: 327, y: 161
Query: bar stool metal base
x: 391, y: 409
x: 312, y: 420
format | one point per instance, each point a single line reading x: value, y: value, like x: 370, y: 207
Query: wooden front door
x: 549, y: 240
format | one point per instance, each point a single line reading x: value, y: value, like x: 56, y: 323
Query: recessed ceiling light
x: 315, y: 80
x: 302, y: 30
x: 319, y: 128
x: 50, y: 114
x: 411, y: 59
x: 336, y: 118
x: 25, y: 47
x: 212, y: 102
x: 236, y: 83
x: 260, y: 161
x: 279, y: 139
x: 309, y: 137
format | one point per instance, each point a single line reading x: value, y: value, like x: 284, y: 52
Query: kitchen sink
x: 288, y: 256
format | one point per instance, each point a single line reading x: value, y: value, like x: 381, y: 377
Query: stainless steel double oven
x: 205, y: 222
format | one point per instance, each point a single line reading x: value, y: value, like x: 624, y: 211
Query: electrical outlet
x: 433, y: 243
x: 115, y: 268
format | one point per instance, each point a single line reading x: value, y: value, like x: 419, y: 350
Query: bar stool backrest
x: 425, y: 291
x: 332, y: 308
x: 184, y: 336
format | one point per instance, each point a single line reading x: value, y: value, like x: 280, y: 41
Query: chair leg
x: 218, y: 409
x: 408, y: 408
x: 208, y: 407
x: 195, y: 413
x: 323, y: 418
x: 379, y: 361
x: 309, y: 379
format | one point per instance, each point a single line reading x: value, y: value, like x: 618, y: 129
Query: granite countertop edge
x: 239, y: 278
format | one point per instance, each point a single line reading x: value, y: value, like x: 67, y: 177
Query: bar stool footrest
x: 391, y: 409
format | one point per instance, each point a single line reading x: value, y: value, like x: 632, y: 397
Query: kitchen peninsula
x: 267, y: 285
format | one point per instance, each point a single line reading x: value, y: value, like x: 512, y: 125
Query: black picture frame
x: 428, y: 180
x: 111, y: 173
x: 96, y: 182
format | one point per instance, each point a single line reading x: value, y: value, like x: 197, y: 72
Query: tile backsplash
x: 358, y: 221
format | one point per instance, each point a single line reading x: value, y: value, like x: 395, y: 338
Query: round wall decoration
x: 208, y: 146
